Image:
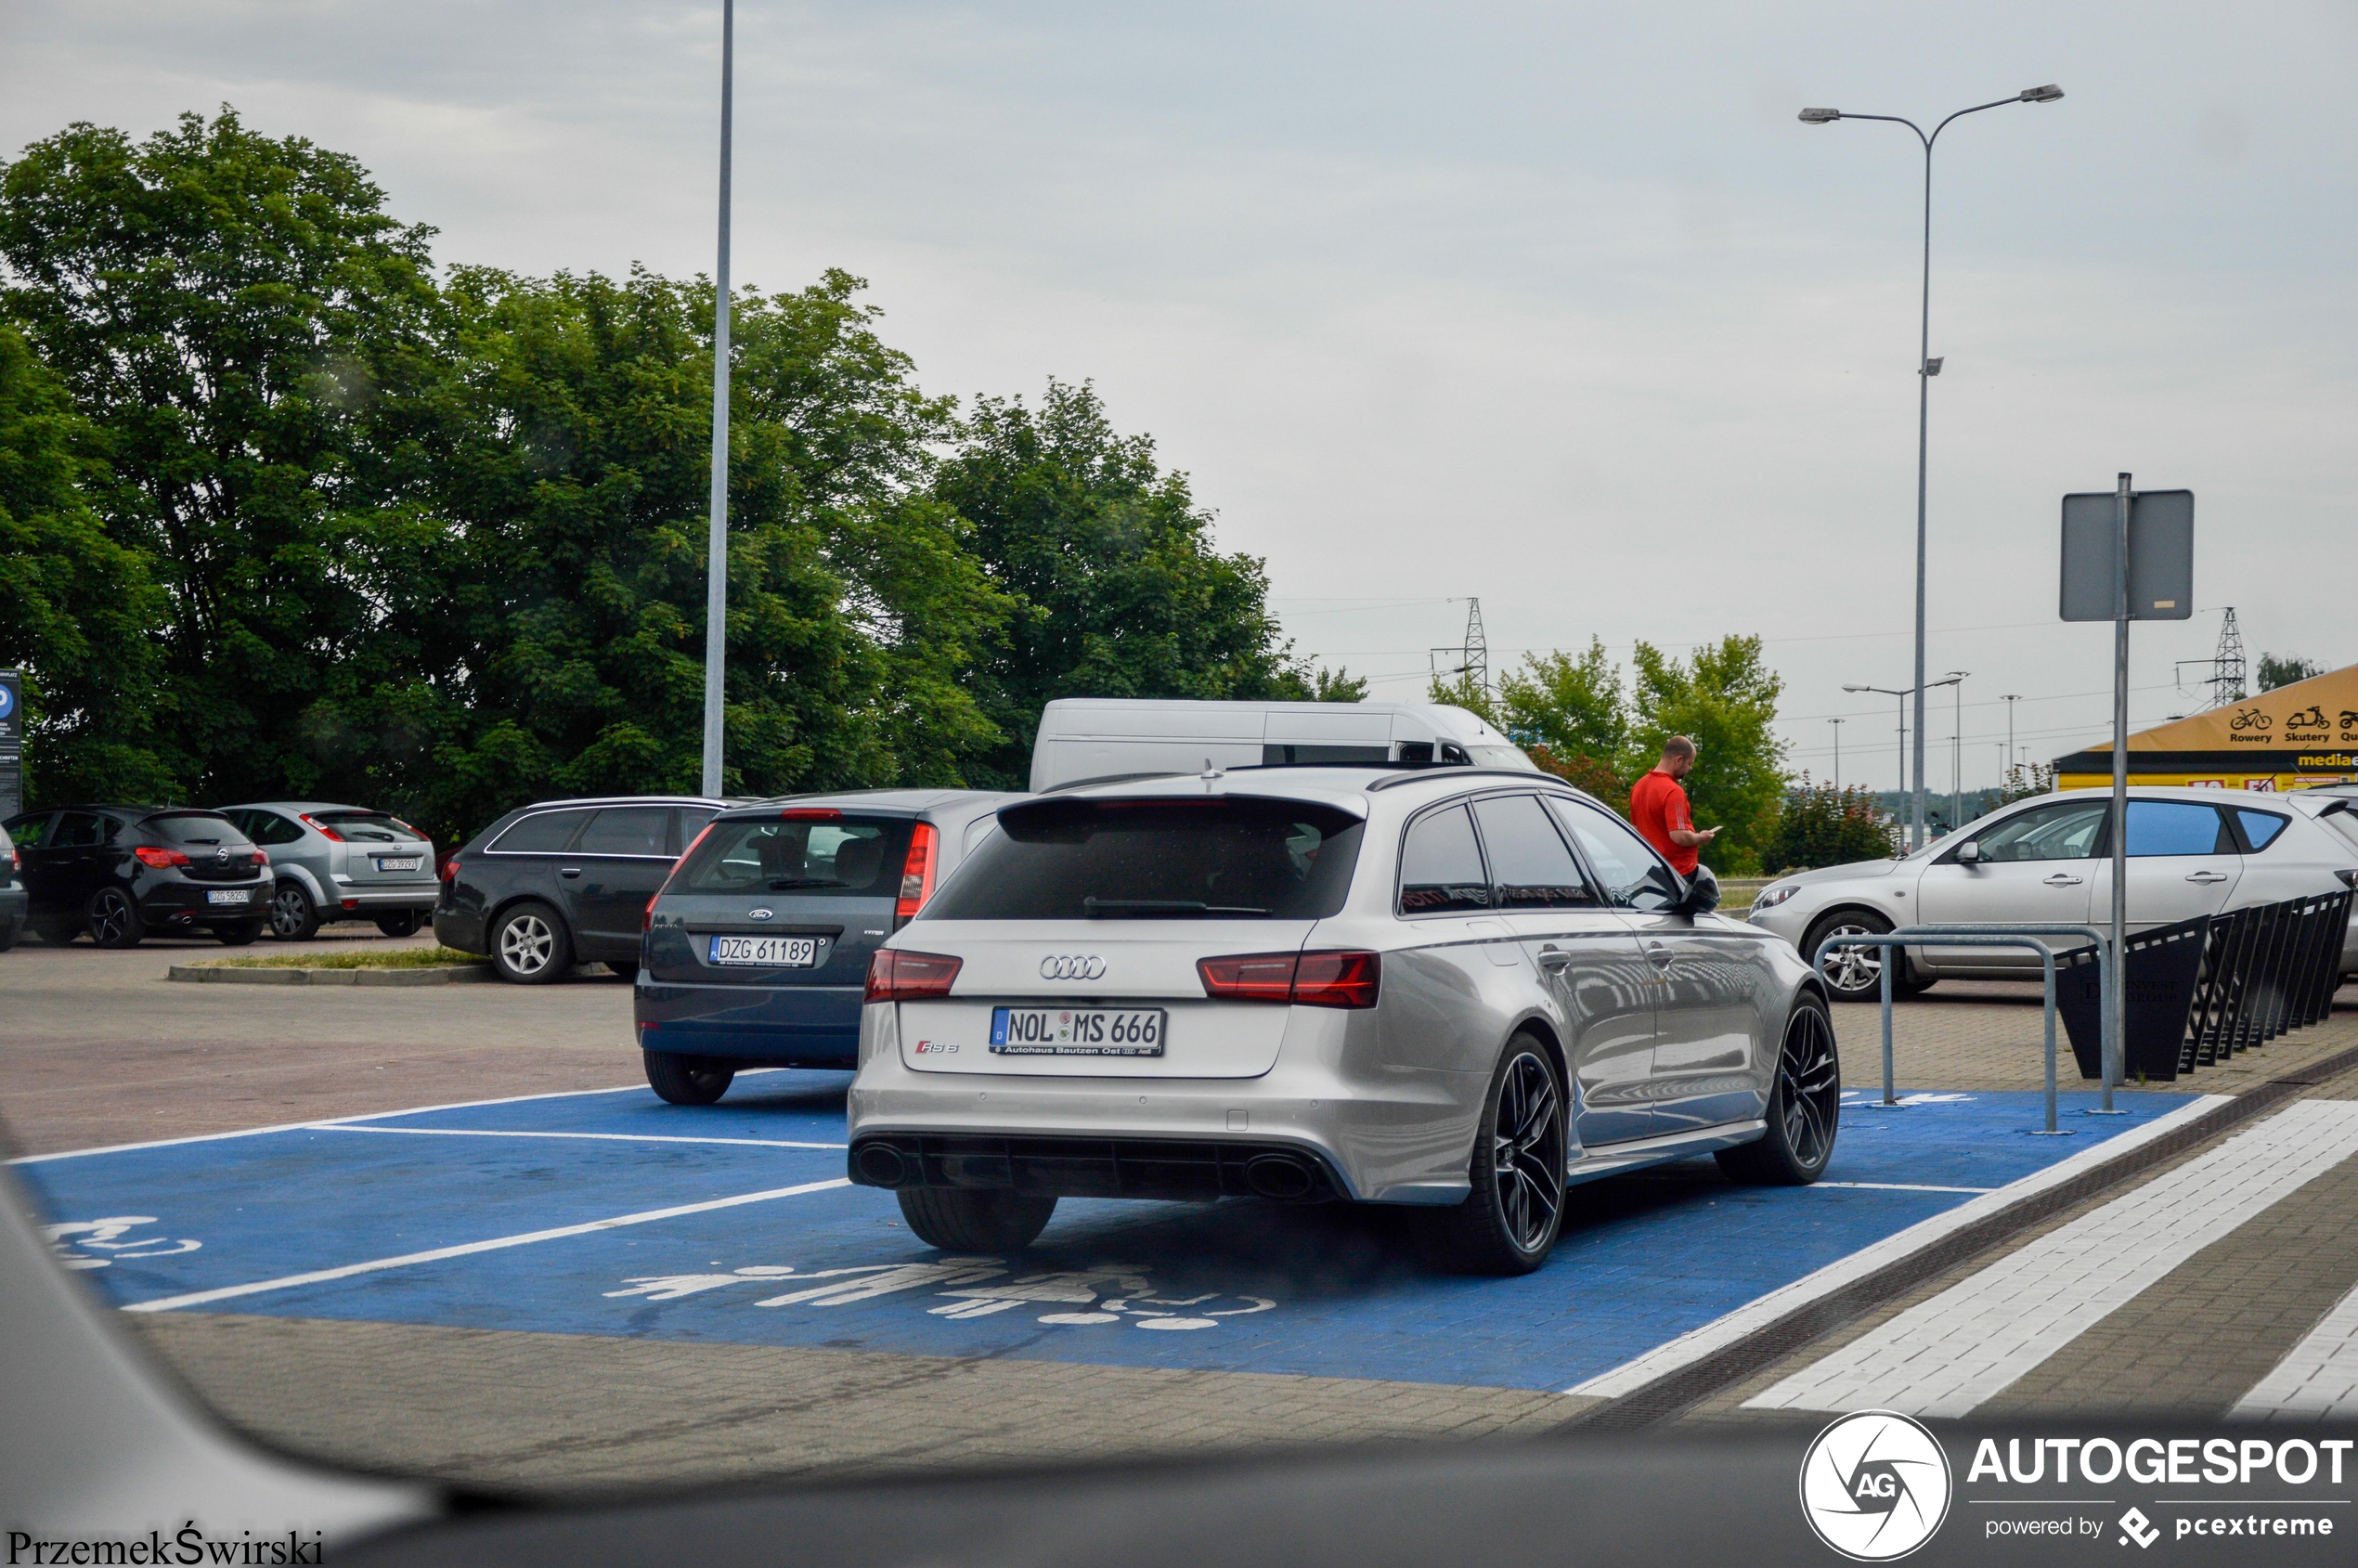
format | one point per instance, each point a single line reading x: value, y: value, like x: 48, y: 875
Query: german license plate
x: 766, y: 953
x: 1077, y: 1031
x: 398, y: 862
x: 226, y: 895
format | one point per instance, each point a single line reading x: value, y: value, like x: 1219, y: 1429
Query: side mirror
x: 1969, y: 852
x: 1703, y: 893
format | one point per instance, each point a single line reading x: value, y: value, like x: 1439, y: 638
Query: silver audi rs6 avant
x: 1459, y: 989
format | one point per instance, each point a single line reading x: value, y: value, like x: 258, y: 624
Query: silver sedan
x: 2191, y: 852
x: 1451, y: 988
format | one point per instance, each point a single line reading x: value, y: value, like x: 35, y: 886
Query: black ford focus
x: 757, y: 950
x: 120, y: 874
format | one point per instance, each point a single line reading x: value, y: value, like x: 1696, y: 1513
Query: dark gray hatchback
x: 755, y: 952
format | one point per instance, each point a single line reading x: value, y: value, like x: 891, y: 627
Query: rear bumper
x: 456, y: 928
x: 781, y: 1026
x: 1168, y: 1169
x: 15, y: 903
x: 372, y: 901
x: 1374, y: 1135
x: 185, y: 903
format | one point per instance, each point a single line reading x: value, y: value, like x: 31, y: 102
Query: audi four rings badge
x: 1071, y: 966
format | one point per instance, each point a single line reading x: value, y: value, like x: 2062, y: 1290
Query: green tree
x: 76, y: 608
x: 1820, y: 824
x: 1121, y: 592
x: 220, y: 304
x: 548, y: 491
x: 2283, y: 670
x: 1724, y: 698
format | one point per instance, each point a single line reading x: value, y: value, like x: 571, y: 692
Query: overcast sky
x: 1554, y: 305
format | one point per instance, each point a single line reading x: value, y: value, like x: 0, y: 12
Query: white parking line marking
x: 1696, y: 1343
x: 288, y: 1282
x: 1948, y: 1355
x: 341, y: 1121
x: 600, y: 1137
x: 2317, y: 1378
x: 1901, y: 1187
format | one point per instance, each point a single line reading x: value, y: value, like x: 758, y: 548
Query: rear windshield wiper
x: 1117, y: 909
x: 782, y: 884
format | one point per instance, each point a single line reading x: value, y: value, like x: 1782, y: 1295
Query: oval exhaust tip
x: 1279, y: 1175
x: 881, y: 1165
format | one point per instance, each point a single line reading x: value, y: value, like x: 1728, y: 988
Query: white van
x: 1086, y: 738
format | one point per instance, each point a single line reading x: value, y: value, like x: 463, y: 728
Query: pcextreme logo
x: 1874, y: 1485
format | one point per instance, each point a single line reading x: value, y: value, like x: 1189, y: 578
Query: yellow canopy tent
x: 2303, y: 733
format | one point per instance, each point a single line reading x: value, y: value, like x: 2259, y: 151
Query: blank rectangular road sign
x: 2161, y: 555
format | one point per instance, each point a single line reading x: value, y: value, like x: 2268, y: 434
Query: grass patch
x: 386, y: 958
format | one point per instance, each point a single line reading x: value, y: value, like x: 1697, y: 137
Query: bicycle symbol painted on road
x: 1092, y: 1296
x: 109, y: 1240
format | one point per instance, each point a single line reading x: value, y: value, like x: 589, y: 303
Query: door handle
x: 569, y: 871
x: 2207, y: 876
x: 1660, y: 954
x: 2060, y: 880
x: 1554, y: 960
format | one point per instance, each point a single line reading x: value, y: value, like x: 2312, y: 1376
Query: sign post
x: 11, y: 742
x: 2126, y: 557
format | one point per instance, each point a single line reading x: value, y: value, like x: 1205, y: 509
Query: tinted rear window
x: 368, y: 827
x: 195, y: 827
x: 1222, y: 858
x: 847, y: 858
x: 544, y: 833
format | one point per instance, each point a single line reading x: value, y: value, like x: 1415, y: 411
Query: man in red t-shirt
x: 1658, y: 807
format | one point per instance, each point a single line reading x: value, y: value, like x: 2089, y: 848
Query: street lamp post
x: 1838, y: 724
x: 1902, y: 694
x: 1926, y: 368
x: 2010, y: 699
x: 716, y: 604
x: 1957, y: 752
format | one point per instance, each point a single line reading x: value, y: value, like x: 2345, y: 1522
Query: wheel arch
x: 1538, y: 1025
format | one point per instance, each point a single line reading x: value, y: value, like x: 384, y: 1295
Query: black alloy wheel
x: 114, y: 920
x: 957, y: 1220
x: 687, y: 1081
x: 401, y: 923
x: 1805, y: 1106
x: 1510, y: 1219
x: 293, y: 917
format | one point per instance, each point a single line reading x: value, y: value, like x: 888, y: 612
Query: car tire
x: 1805, y: 1105
x: 956, y: 1220
x: 242, y: 934
x: 55, y: 932
x: 293, y: 917
x: 530, y: 945
x: 113, y: 920
x: 1856, y: 974
x: 1510, y: 1221
x: 8, y: 936
x: 628, y: 968
x: 687, y: 1081
x: 403, y: 923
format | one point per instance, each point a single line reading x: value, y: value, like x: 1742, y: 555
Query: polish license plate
x: 1077, y: 1031
x: 398, y: 862
x: 766, y: 953
x: 228, y: 895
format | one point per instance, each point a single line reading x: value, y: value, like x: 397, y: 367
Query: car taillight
x: 1306, y: 979
x: 647, y: 921
x: 916, y: 874
x: 322, y: 829
x: 810, y: 814
x: 261, y: 856
x: 909, y: 977
x: 450, y: 868
x: 159, y: 858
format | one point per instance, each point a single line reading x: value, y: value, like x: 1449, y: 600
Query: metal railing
x: 2003, y: 934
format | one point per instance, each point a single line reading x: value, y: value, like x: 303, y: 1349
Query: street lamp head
x: 1828, y: 116
x: 1858, y: 688
x: 2047, y: 94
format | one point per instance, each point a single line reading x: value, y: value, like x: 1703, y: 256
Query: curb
x: 454, y: 974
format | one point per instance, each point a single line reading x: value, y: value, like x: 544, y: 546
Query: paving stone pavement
x: 504, y: 1410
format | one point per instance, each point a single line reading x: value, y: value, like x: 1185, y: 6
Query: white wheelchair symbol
x: 1082, y: 1297
x: 110, y: 1239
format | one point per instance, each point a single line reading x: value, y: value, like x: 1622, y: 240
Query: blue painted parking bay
x: 614, y: 1214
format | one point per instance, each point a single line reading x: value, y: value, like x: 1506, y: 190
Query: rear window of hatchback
x: 194, y: 828
x: 808, y: 856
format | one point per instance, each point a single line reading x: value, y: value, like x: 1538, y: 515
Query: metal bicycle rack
x: 2019, y: 934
